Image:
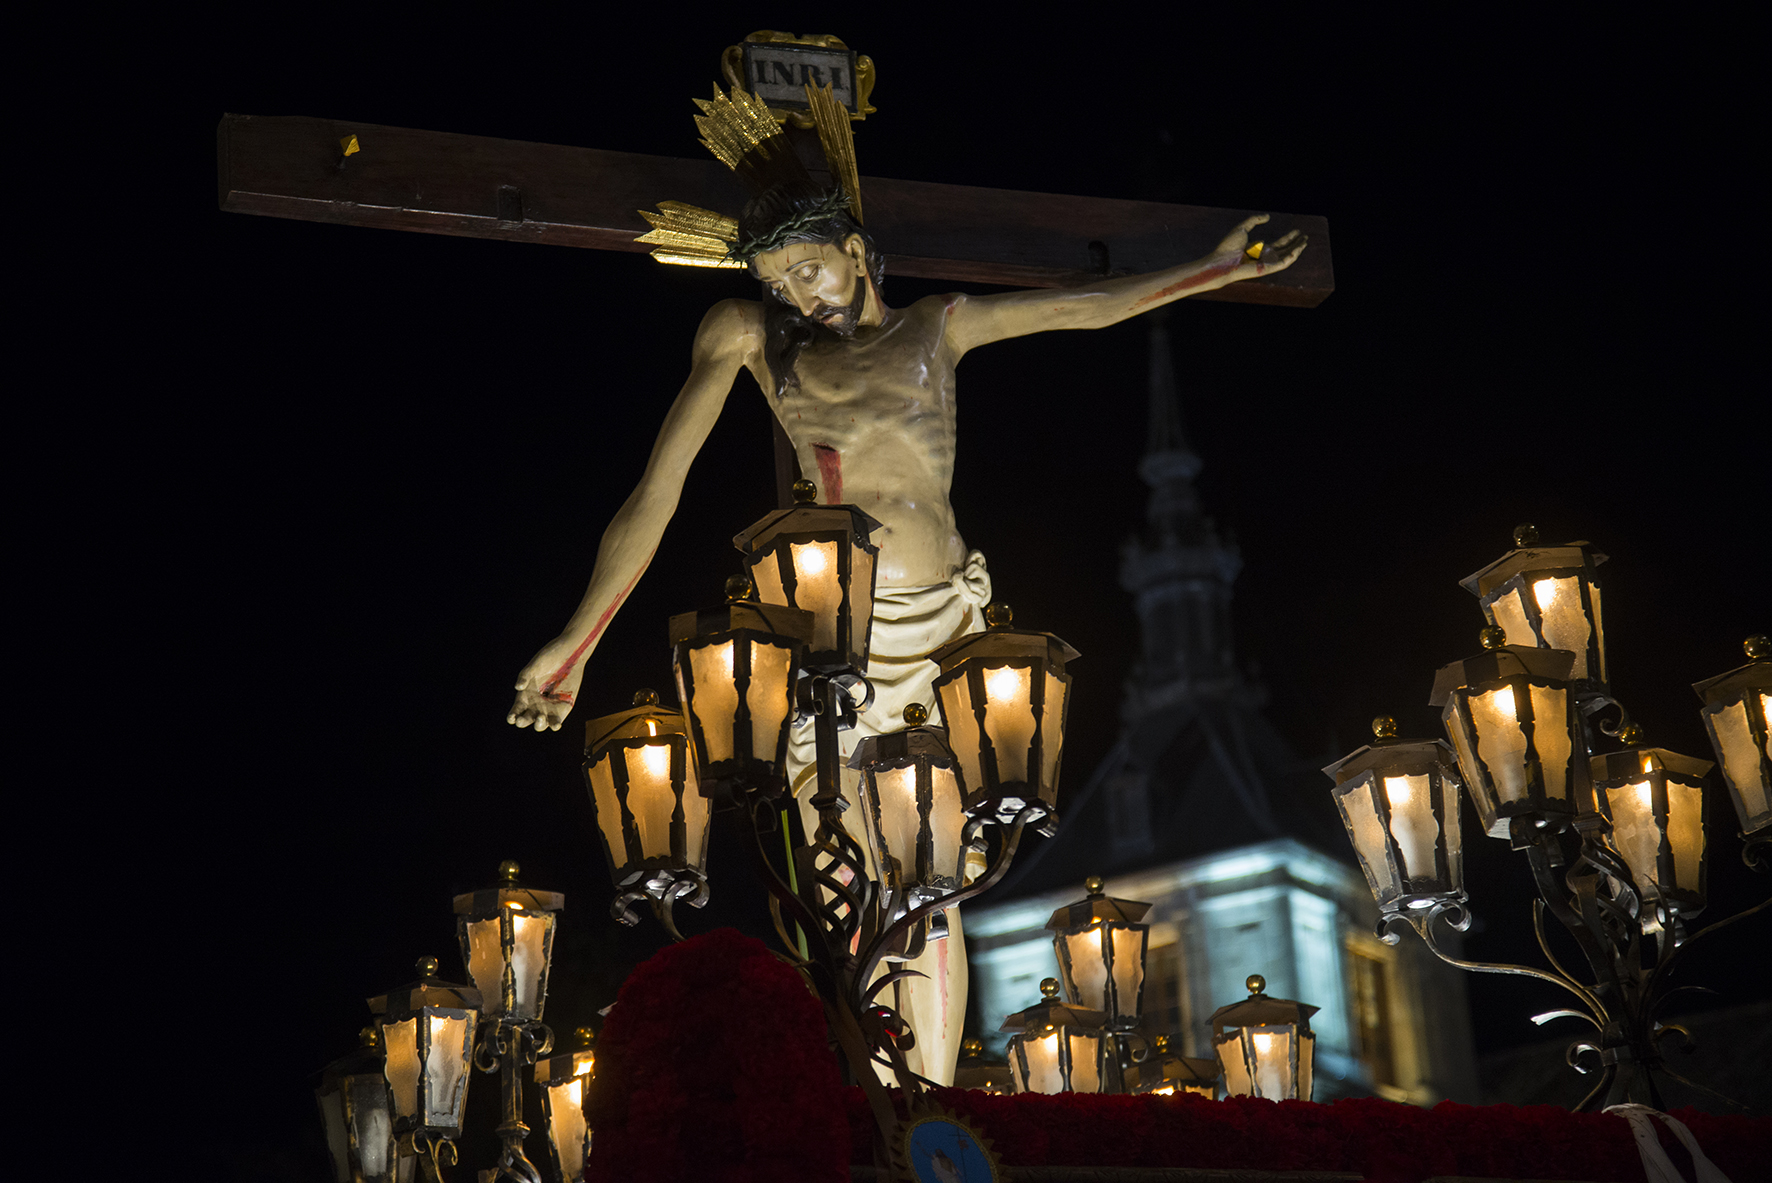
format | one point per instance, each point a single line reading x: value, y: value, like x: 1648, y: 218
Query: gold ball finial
x: 645, y: 698
x: 585, y: 1036
x: 508, y: 871
x: 1525, y: 534
x: 1757, y: 646
x: 1256, y: 983
x: 915, y: 715
x: 427, y: 967
x: 1384, y: 727
x: 739, y: 588
x: 1093, y: 885
x: 805, y: 492
x: 1631, y: 736
x: 972, y: 1046
x: 1049, y: 988
x: 1162, y: 1045
x: 1492, y: 637
x: 997, y: 614
x: 369, y: 1037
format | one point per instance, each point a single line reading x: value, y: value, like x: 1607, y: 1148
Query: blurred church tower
x: 1203, y: 810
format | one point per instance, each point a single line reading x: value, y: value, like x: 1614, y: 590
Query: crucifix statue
x: 864, y: 393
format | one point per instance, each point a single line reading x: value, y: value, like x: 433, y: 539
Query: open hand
x: 548, y: 686
x: 1274, y: 256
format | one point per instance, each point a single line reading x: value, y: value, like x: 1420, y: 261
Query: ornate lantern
x: 911, y: 803
x: 1547, y: 597
x: 1512, y: 719
x: 427, y: 1030
x: 974, y: 1071
x: 1101, y: 949
x: 1399, y: 802
x: 1004, y: 695
x: 735, y: 670
x: 1737, y: 707
x: 818, y: 557
x: 507, y: 943
x: 1265, y: 1045
x: 1165, y: 1074
x: 357, y: 1116
x: 653, y: 819
x: 1655, y: 799
x: 562, y: 1079
x: 1060, y: 1049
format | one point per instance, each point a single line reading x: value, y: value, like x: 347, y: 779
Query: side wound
x: 830, y: 472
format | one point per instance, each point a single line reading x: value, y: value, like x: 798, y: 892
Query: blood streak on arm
x: 1193, y: 281
x: 830, y: 471
x: 559, y: 675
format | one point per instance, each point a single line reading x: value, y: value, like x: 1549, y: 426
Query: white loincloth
x: 909, y: 624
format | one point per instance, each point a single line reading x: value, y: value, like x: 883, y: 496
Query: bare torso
x: 873, y: 424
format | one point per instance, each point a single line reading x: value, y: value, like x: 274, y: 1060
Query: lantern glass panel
x: 401, y: 1041
x: 1510, y: 616
x: 861, y: 594
x: 958, y: 712
x: 1272, y: 1047
x: 1129, y: 949
x: 1052, y: 728
x: 1500, y: 744
x: 1044, y: 1074
x: 1085, y: 1060
x: 1413, y: 825
x: 1564, y: 619
x: 446, y: 1068
x: 1459, y: 730
x: 650, y: 796
x: 1732, y: 735
x: 1685, y: 833
x: 767, y: 697
x: 1634, y: 831
x: 486, y: 962
x: 375, y: 1128
x: 1237, y: 1082
x: 895, y: 794
x: 715, y: 698
x: 1009, y: 720
x: 946, y: 821
x: 1593, y: 595
x: 1366, y: 831
x: 1550, y: 736
x: 1087, y: 967
x: 1307, y: 1046
x: 817, y: 588
x: 332, y: 1116
x: 529, y: 961
x: 766, y: 574
x: 602, y: 777
x: 566, y: 1126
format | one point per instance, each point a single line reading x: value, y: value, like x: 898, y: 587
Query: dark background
x: 336, y: 485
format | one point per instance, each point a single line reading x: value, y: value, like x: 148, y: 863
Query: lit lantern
x: 975, y: 1071
x: 1656, y: 801
x: 1399, y: 802
x: 1101, y: 950
x: 358, y: 1118
x: 652, y: 817
x: 1165, y: 1074
x: 911, y: 802
x: 1547, y: 597
x: 1004, y: 695
x: 1512, y: 719
x: 1737, y: 707
x: 1265, y: 1045
x: 1057, y: 1048
x: 818, y: 557
x: 427, y: 1031
x: 563, y: 1080
x: 507, y: 943
x: 735, y: 670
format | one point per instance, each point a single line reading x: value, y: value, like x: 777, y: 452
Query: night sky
x: 370, y: 469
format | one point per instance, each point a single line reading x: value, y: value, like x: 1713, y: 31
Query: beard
x: 842, y: 321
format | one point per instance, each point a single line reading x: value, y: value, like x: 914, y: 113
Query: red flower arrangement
x: 714, y: 1066
x: 1384, y: 1141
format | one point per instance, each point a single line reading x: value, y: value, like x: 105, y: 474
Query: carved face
x: 826, y: 283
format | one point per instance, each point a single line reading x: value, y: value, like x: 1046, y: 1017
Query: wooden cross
x: 396, y: 178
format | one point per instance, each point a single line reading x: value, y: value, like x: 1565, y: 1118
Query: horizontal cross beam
x: 481, y: 187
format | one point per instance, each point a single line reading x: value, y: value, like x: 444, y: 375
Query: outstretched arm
x: 979, y: 320
x: 549, y: 683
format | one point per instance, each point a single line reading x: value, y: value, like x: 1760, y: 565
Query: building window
x: 1372, y: 1015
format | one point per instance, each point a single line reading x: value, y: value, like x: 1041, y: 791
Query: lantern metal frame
x: 1360, y: 791
x: 420, y: 1002
x: 1748, y: 689
x: 1106, y: 916
x: 1629, y: 934
x: 346, y: 1081
x: 1244, y: 1022
x: 1164, y: 1073
x: 1656, y: 768
x: 550, y: 1074
x: 1070, y: 1024
x: 744, y: 625
x: 848, y: 529
x: 923, y: 750
x: 661, y: 879
x: 1518, y: 572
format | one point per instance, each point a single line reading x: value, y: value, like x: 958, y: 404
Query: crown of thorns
x: 794, y: 227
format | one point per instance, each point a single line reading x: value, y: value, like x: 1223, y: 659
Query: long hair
x: 785, y: 331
